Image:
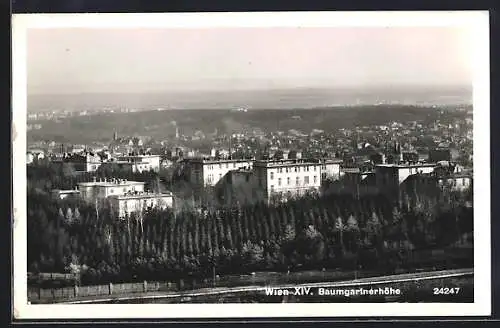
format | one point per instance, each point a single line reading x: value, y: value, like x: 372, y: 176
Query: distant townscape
x: 262, y: 191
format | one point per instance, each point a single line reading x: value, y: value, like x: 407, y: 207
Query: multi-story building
x: 206, y: 172
x: 390, y: 176
x: 140, y: 163
x: 237, y: 186
x: 436, y: 182
x: 84, y: 162
x: 330, y: 169
x: 455, y: 181
x: 286, y: 178
x: 136, y: 202
x: 99, y: 190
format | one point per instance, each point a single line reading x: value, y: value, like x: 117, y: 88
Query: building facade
x: 137, y: 202
x: 84, y: 162
x: 237, y: 187
x: 99, y: 190
x: 204, y: 172
x: 140, y: 163
x: 390, y: 176
x: 455, y: 181
x: 283, y: 179
x: 330, y: 169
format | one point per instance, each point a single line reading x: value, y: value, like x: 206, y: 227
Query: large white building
x: 140, y: 163
x: 286, y: 178
x: 204, y: 172
x: 90, y: 191
x: 137, y: 202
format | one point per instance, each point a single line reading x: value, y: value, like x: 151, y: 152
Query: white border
x: 476, y: 22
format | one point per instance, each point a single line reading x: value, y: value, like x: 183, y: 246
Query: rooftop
x: 408, y: 165
x: 110, y: 182
x: 286, y: 162
x: 208, y: 160
x: 139, y: 156
x: 70, y: 191
x: 142, y: 195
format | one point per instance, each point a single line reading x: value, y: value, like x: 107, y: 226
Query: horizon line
x: 466, y: 87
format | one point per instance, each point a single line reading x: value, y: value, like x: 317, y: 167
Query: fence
x: 36, y: 295
x: 76, y: 293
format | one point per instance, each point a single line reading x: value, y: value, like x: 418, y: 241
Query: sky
x: 126, y: 60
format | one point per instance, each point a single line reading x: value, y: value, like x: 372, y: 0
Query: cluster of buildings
x: 90, y: 162
x: 247, y: 181
x: 254, y: 166
x: 123, y: 197
x: 280, y: 178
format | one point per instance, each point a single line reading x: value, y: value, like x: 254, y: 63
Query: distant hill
x: 256, y: 99
x: 159, y: 124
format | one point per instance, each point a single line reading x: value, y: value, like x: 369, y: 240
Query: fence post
x: 145, y: 285
x: 110, y: 288
x: 76, y: 291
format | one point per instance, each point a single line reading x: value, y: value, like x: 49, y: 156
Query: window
x: 296, y: 169
x: 234, y: 165
x: 287, y: 170
x: 315, y: 179
x: 279, y: 181
x: 111, y: 190
x: 272, y: 175
x: 288, y: 181
x: 220, y: 166
x: 306, y: 180
x: 227, y: 165
x: 297, y: 181
x: 272, y: 188
x: 220, y: 175
x: 124, y: 190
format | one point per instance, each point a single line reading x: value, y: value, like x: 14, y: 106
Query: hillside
x: 159, y: 124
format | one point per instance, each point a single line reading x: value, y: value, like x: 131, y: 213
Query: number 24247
x: 446, y: 291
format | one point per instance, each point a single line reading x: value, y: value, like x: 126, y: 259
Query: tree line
x: 372, y: 232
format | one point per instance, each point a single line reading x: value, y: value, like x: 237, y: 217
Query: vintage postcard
x: 251, y: 165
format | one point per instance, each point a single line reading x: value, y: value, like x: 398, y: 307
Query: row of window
x: 112, y: 190
x: 222, y: 165
x: 297, y: 181
x: 295, y: 169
